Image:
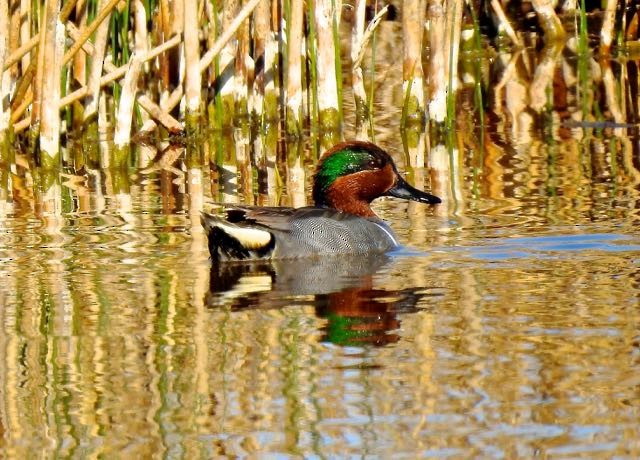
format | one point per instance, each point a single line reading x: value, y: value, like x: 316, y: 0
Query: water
x: 490, y: 335
x: 507, y: 327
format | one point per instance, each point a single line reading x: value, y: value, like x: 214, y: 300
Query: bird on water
x: 349, y: 176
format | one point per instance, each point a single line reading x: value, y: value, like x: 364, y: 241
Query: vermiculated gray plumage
x: 301, y: 232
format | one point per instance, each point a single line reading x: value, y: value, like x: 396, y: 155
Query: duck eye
x: 373, y: 164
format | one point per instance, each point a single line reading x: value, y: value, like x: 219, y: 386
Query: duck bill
x: 405, y: 191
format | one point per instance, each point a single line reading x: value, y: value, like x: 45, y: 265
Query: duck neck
x: 346, y: 200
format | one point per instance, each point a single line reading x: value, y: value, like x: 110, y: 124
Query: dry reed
x: 186, y: 52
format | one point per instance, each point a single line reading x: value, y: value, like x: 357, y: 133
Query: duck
x: 348, y: 177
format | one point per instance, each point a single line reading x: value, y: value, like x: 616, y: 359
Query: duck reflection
x: 340, y: 289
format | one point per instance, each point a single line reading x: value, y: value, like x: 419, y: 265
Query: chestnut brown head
x: 353, y: 174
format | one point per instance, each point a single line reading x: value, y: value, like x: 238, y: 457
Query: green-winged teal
x: 348, y: 177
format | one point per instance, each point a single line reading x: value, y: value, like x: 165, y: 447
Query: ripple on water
x: 499, y: 340
x: 548, y: 246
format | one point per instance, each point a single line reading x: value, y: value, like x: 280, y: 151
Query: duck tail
x: 230, y: 241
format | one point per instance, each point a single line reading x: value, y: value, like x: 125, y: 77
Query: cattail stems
x: 226, y: 78
x: 33, y: 41
x: 192, y: 59
x: 227, y: 34
x: 97, y: 59
x: 85, y: 34
x: 444, y: 36
x: 80, y: 41
x: 124, y: 117
x: 412, y: 74
x: 262, y: 35
x: 357, y: 80
x: 51, y: 60
x: 359, y: 44
x: 141, y: 36
x: 504, y: 22
x: 549, y: 20
x: 452, y: 51
x: 244, y: 71
x: 437, y: 62
x: 608, y: 23
x: 4, y: 75
x: 294, y: 69
x: 80, y: 59
x: 25, y: 32
x: 12, y: 28
x: 328, y: 104
x: 161, y: 113
x: 141, y: 42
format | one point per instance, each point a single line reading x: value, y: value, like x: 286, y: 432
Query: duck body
x: 349, y: 176
x: 253, y: 233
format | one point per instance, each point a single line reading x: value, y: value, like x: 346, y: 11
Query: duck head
x: 352, y: 174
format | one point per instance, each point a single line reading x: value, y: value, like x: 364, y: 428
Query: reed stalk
x: 141, y: 36
x: 312, y: 56
x: 211, y: 32
x: 337, y: 4
x: 13, y: 29
x: 115, y: 73
x: 124, y: 117
x: 85, y: 34
x: 5, y: 108
x: 549, y: 20
x: 608, y: 24
x: 18, y: 54
x: 359, y: 42
x: 584, y: 93
x: 81, y: 40
x: 357, y: 79
x: 437, y: 62
x: 161, y: 113
x: 51, y: 51
x: 141, y: 48
x: 265, y: 99
x: 176, y: 27
x: 444, y: 35
x: 261, y: 32
x: 454, y: 33
x: 295, y: 177
x: 95, y: 72
x: 328, y: 104
x: 228, y: 32
x: 164, y: 31
x: 192, y: 91
x: 505, y: 23
x: 372, y: 85
x: 225, y: 77
x: 25, y: 32
x: 79, y: 60
x: 293, y: 118
x: 412, y: 74
x: 244, y: 70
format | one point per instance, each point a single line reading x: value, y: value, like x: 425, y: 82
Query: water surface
x: 487, y: 336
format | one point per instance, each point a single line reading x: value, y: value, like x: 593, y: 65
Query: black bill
x: 405, y: 191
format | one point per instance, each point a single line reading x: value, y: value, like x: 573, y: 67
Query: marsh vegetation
x: 509, y: 329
